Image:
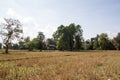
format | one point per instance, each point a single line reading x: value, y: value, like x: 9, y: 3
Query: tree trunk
x: 6, y: 49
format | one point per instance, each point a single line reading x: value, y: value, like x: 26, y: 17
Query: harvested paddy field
x: 56, y: 65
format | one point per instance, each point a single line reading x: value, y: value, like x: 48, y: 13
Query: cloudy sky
x: 95, y: 16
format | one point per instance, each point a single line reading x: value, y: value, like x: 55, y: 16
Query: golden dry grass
x: 90, y: 65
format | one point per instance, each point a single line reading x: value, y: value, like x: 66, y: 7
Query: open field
x: 89, y: 65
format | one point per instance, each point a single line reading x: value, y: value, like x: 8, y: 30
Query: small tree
x: 10, y: 30
x: 26, y: 42
x: 30, y: 46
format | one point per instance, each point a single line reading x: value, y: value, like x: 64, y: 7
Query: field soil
x: 57, y: 65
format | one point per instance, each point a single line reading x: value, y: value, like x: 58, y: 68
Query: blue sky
x: 95, y: 16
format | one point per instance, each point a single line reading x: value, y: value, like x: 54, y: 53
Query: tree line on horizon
x: 69, y: 38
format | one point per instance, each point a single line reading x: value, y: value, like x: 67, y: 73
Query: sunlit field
x: 56, y: 65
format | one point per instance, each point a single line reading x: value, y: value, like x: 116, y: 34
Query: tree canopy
x: 10, y: 30
x: 68, y: 37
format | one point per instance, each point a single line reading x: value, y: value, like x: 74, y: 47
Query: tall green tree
x: 10, y: 30
x: 68, y: 37
x: 61, y: 37
x: 78, y: 38
x: 72, y: 30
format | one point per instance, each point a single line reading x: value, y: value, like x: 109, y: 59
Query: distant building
x: 51, y: 47
x: 50, y: 44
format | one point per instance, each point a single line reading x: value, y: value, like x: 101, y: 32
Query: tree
x: 110, y: 45
x: 21, y: 44
x: 36, y: 43
x: 117, y: 41
x: 71, y: 30
x: 30, y: 46
x: 78, y: 42
x: 101, y: 41
x: 78, y: 38
x: 0, y: 45
x: 26, y: 42
x: 10, y: 30
x: 104, y: 41
x: 68, y: 37
x: 40, y: 38
x: 96, y: 45
x: 87, y: 44
x: 61, y: 38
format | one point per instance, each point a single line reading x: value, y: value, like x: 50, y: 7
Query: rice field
x: 57, y: 65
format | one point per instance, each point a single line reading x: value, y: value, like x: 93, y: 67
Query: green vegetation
x: 65, y: 38
x: 68, y: 37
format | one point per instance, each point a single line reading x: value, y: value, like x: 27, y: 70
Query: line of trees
x: 100, y: 42
x: 71, y: 38
x: 103, y: 42
x: 64, y: 38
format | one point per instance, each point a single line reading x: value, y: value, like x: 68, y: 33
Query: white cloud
x: 2, y: 20
x: 11, y: 12
x: 48, y: 30
x: 30, y: 26
x: 111, y: 34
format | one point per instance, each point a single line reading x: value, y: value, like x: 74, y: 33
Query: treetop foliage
x: 10, y: 30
